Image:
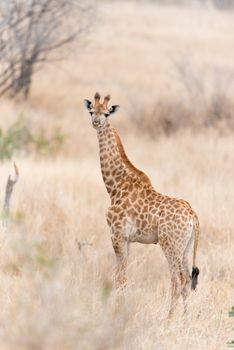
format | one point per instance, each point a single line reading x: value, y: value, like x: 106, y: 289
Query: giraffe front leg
x: 120, y: 246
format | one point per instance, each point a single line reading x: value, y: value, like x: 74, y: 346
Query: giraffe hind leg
x: 178, y: 276
x: 195, y: 270
x: 187, y: 287
x: 178, y: 282
x: 191, y: 280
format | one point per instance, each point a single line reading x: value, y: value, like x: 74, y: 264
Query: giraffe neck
x: 115, y: 166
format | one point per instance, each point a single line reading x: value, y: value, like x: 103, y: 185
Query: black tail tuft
x: 195, y: 274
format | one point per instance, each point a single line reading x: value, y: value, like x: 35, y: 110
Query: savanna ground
x: 170, y: 68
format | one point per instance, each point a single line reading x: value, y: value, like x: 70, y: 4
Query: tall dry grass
x: 56, y: 259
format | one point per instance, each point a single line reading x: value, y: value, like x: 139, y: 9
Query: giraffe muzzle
x: 98, y: 124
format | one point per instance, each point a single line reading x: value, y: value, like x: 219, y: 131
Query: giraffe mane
x: 127, y: 162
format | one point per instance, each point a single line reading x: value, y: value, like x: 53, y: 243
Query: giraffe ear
x: 88, y: 104
x: 113, y: 109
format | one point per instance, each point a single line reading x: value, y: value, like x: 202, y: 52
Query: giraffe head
x: 100, y: 111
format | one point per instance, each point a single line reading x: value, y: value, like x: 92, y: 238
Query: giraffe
x: 138, y: 213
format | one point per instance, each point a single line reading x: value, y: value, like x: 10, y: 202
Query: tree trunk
x: 22, y: 83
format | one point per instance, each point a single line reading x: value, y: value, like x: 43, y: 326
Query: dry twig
x: 9, y: 189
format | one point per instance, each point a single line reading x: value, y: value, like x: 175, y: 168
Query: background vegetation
x: 171, y: 70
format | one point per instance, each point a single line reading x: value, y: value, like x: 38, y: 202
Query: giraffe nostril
x: 96, y: 123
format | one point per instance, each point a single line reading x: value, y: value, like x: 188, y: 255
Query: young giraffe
x: 138, y: 213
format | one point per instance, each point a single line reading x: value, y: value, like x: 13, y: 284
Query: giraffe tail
x: 195, y: 273
x: 195, y: 270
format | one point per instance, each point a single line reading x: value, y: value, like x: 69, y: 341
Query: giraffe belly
x: 134, y: 233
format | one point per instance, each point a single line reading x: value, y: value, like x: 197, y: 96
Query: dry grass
x: 56, y: 260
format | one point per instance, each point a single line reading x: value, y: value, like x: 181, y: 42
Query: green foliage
x: 231, y: 314
x: 19, y: 138
x: 15, y: 218
x: 14, y: 138
x: 42, y: 260
x: 48, y: 145
x: 106, y: 290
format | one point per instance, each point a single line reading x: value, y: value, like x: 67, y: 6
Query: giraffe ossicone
x: 138, y: 213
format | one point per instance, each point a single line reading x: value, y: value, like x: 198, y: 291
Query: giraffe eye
x: 91, y: 113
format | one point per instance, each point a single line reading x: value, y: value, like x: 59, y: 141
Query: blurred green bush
x: 20, y: 138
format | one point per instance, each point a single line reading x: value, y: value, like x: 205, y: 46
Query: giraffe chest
x: 135, y: 224
x: 134, y: 212
x: 135, y: 230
